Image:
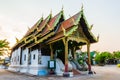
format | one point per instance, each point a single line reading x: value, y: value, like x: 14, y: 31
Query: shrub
x: 101, y: 58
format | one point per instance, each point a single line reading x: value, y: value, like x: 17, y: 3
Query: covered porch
x: 71, y: 35
x: 65, y: 48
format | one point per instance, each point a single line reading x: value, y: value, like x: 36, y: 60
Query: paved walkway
x: 109, y: 72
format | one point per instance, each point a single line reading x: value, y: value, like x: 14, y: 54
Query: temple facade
x: 53, y: 39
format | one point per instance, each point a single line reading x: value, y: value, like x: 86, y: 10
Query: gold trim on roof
x: 64, y: 31
x: 50, y: 28
x: 78, y: 40
x: 74, y: 21
x: 88, y: 27
x: 46, y: 37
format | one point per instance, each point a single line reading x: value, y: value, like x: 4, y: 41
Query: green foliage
x: 107, y: 57
x: 4, y: 45
x: 97, y: 58
x: 102, y: 57
x: 81, y: 58
x: 116, y: 54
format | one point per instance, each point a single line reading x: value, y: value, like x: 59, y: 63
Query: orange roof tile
x: 47, y: 24
x: 44, y: 22
x: 69, y: 22
x: 56, y: 37
x: 52, y: 23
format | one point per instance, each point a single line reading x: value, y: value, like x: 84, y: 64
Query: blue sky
x: 17, y: 15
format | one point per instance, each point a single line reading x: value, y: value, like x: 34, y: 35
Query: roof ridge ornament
x: 73, y: 21
x: 91, y: 27
x: 49, y: 27
x: 82, y: 7
x: 29, y: 29
x: 98, y: 37
x: 37, y: 29
x: 51, y: 12
x: 17, y: 40
x: 25, y: 40
x: 64, y: 31
x: 62, y: 7
x: 35, y: 39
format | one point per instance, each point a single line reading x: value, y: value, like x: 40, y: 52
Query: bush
x: 118, y: 65
x: 116, y: 54
x: 101, y: 58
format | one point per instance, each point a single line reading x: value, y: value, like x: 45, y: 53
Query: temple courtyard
x: 108, y: 72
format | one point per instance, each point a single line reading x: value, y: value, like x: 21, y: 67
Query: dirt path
x: 109, y: 72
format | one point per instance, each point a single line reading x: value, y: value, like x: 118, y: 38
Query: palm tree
x: 4, y: 46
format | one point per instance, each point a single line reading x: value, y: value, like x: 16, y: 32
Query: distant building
x: 7, y: 60
x: 52, y: 38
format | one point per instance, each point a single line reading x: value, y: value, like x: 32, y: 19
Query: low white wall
x: 33, y: 68
x: 14, y: 68
x: 44, y: 60
x: 15, y: 60
x: 24, y: 68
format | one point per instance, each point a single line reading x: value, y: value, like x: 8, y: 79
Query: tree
x: 116, y: 54
x: 102, y: 57
x: 4, y: 46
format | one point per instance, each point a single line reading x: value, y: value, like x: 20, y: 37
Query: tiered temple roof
x: 55, y: 28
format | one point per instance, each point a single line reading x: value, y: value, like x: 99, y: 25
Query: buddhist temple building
x: 47, y: 45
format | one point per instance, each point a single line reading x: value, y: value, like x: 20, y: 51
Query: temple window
x: 34, y: 57
x: 18, y: 58
x: 24, y: 57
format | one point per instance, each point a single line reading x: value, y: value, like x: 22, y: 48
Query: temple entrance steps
x: 60, y: 67
x: 73, y: 68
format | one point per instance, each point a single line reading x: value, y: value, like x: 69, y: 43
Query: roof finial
x: 82, y: 7
x: 98, y: 37
x: 51, y: 11
x: 74, y: 21
x: 28, y: 28
x: 49, y: 27
x: 17, y: 40
x: 62, y: 7
x: 91, y: 27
